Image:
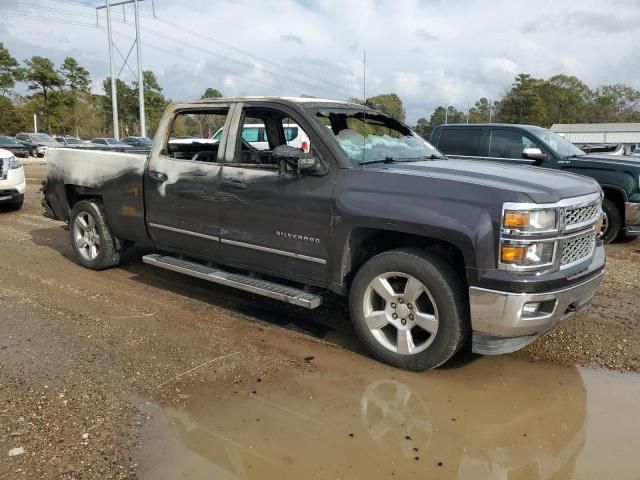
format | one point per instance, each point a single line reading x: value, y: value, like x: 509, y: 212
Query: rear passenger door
x: 181, y: 183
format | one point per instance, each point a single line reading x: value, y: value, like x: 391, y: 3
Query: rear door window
x: 461, y: 141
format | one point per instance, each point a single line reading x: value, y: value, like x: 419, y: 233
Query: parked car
x: 41, y: 141
x: 636, y: 152
x: 530, y: 145
x: 71, y: 142
x: 12, y: 181
x: 256, y: 135
x: 111, y: 144
x: 433, y: 253
x: 138, y: 142
x: 14, y: 146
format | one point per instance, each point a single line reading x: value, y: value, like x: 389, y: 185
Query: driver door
x: 271, y: 220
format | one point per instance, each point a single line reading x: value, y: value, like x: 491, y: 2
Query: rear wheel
x: 91, y: 238
x: 612, y: 221
x: 409, y: 308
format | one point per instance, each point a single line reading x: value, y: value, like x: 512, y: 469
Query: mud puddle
x: 490, y: 418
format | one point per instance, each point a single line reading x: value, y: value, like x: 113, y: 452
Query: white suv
x: 256, y: 135
x: 12, y: 181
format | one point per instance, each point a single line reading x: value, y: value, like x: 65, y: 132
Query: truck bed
x: 115, y: 178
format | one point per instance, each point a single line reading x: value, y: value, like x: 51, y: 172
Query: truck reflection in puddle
x: 490, y: 419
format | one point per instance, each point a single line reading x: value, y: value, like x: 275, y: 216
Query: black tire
x: 449, y: 294
x: 108, y: 255
x: 614, y: 221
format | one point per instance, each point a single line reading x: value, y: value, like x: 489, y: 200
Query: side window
x: 192, y: 135
x: 461, y: 141
x: 295, y: 136
x: 508, y: 144
x: 264, y: 129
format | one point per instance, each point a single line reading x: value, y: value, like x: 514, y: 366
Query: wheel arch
x: 364, y: 243
x: 617, y: 195
x: 77, y: 193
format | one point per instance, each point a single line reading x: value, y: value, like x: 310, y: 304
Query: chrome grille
x: 582, y: 215
x: 577, y: 249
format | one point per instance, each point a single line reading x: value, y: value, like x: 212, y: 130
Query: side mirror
x: 534, y: 154
x: 308, y: 163
x: 312, y: 165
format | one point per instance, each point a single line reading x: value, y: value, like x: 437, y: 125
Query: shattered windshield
x: 369, y: 137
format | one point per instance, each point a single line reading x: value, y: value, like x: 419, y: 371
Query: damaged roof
x: 307, y: 101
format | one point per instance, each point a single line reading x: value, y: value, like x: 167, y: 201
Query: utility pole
x: 143, y: 126
x: 114, y: 96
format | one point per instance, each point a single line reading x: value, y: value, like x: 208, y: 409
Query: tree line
x: 535, y: 101
x: 65, y: 105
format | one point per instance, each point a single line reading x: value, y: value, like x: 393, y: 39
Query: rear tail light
x: 305, y: 147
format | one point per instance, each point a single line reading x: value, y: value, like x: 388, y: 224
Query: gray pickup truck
x: 434, y: 254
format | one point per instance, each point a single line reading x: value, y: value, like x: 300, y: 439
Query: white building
x: 599, y: 133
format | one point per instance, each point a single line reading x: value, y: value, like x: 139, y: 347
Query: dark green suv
x: 619, y: 176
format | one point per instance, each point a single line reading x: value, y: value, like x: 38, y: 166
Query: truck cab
x: 530, y: 145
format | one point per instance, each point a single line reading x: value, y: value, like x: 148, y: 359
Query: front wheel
x: 613, y: 221
x: 410, y: 309
x: 91, y: 238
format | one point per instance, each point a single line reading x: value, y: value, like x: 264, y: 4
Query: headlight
x: 14, y: 163
x: 530, y: 221
x: 527, y: 256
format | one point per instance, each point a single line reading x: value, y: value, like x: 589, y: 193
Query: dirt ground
x: 98, y: 370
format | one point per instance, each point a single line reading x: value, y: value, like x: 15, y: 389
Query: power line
x: 207, y: 37
x: 226, y: 58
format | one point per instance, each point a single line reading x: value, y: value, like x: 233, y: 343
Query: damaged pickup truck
x: 434, y: 254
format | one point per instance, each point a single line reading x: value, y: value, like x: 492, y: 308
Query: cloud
x: 292, y: 39
x: 431, y: 52
x: 426, y: 35
x: 603, y: 22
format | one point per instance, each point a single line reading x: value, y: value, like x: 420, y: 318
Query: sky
x: 429, y: 52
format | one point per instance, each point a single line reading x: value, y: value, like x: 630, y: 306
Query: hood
x: 540, y: 184
x: 619, y: 160
x: 5, y: 154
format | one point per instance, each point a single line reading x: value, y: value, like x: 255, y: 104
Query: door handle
x: 158, y: 176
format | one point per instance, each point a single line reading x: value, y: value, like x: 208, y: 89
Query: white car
x: 12, y: 181
x: 636, y: 152
x: 256, y: 135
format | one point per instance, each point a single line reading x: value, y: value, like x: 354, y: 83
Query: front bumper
x: 10, y: 196
x: 632, y: 218
x: 501, y: 325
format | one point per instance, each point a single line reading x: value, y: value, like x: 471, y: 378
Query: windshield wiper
x: 379, y: 160
x: 433, y: 156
